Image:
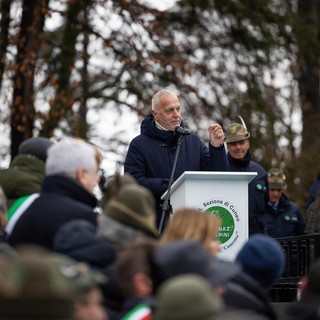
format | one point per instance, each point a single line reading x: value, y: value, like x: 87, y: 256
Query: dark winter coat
x: 61, y: 200
x: 307, y: 308
x: 78, y: 240
x: 285, y: 221
x: 257, y: 190
x: 150, y: 157
x: 243, y: 292
x: 313, y: 191
x: 24, y: 176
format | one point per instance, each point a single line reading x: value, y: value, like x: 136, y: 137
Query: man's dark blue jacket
x: 150, y: 158
x: 61, y: 200
x: 285, y: 221
x: 257, y: 190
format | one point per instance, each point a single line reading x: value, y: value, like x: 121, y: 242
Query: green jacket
x: 24, y: 176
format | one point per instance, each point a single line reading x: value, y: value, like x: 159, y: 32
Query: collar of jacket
x: 149, y: 128
x: 70, y: 188
x: 240, y: 162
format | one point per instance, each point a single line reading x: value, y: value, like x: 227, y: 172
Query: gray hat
x: 37, y: 147
x: 188, y: 256
x: 236, y: 132
x: 276, y: 179
x: 134, y: 206
x: 186, y: 297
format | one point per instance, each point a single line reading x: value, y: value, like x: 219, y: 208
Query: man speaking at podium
x: 150, y: 157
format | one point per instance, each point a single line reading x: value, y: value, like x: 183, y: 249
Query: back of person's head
x: 134, y: 206
x: 69, y: 155
x: 187, y: 297
x: 136, y: 260
x: 36, y: 147
x: 191, y: 224
x: 263, y: 258
x: 189, y: 256
x: 34, y: 286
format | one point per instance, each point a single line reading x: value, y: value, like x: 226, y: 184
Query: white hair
x: 155, y: 102
x: 69, y: 155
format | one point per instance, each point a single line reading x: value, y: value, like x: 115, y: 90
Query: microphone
x: 182, y: 131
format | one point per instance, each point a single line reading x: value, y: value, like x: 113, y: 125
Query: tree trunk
x: 61, y: 106
x: 309, y: 85
x: 4, y: 35
x: 22, y: 109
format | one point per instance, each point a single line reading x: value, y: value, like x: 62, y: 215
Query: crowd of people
x: 65, y: 254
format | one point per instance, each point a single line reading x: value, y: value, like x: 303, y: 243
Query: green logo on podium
x: 230, y: 227
x: 226, y: 229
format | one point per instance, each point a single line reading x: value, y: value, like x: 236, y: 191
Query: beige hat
x: 276, y: 179
x: 236, y: 132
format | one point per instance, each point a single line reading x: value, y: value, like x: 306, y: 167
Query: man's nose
x: 176, y: 113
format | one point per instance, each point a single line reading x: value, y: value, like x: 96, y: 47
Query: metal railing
x: 301, y: 252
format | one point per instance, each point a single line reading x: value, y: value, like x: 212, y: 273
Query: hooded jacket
x: 151, y: 155
x: 24, y: 177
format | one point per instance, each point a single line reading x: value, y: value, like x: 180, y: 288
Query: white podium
x: 222, y: 193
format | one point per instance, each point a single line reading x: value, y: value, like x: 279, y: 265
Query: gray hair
x: 69, y: 155
x: 155, y: 102
x: 3, y: 201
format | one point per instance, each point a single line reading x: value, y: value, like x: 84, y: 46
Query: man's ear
x: 81, y: 175
x: 154, y: 113
x: 143, y: 285
x: 3, y: 219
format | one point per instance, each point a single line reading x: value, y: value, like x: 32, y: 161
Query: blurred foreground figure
x: 263, y: 261
x: 187, y: 297
x: 34, y: 286
x: 308, y: 307
x: 66, y: 194
x: 40, y: 284
x: 26, y: 172
x: 191, y: 224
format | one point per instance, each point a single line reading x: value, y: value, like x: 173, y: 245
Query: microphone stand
x: 166, y: 207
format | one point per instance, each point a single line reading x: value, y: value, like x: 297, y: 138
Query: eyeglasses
x: 102, y: 178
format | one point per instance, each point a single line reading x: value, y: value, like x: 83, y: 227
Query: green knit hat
x: 186, y: 297
x: 134, y: 206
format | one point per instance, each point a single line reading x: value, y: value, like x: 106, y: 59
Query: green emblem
x: 226, y: 229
